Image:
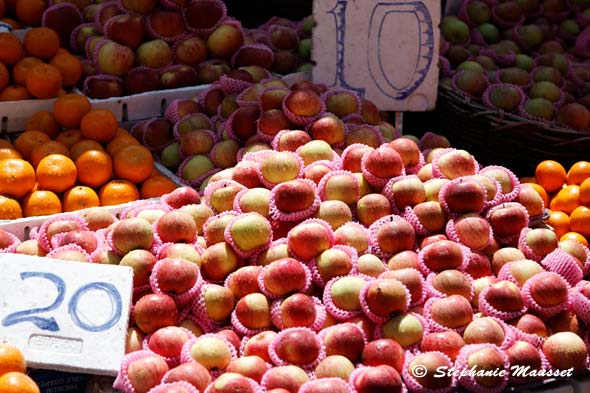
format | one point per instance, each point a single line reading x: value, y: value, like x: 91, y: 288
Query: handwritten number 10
x: 50, y: 324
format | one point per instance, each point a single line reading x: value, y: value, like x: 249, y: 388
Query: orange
x: 9, y: 152
x: 14, y: 382
x: 585, y: 192
x: 580, y: 220
x: 80, y: 197
x: 51, y: 147
x: 70, y: 108
x: 578, y: 172
x: 4, y: 76
x: 41, y: 42
x: 574, y: 236
x: 28, y: 140
x: 133, y: 163
x: 17, y: 177
x: 44, y: 121
x: 567, y: 199
x: 69, y: 66
x: 11, y: 359
x: 70, y: 137
x: 156, y: 186
x: 14, y: 93
x: 21, y: 69
x: 44, y: 81
x: 41, y: 203
x: 9, y: 209
x: 56, y: 173
x: 11, y: 50
x: 82, y: 146
x: 541, y: 191
x: 559, y: 221
x: 95, y: 167
x: 122, y: 131
x: 116, y: 192
x: 99, y: 125
x: 550, y: 175
x: 29, y: 12
x: 119, y: 142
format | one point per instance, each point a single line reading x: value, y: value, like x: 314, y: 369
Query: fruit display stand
x: 516, y: 75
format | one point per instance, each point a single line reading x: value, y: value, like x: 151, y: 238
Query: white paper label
x: 68, y: 316
x: 387, y: 51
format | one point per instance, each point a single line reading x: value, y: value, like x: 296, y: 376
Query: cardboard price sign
x: 67, y: 316
x: 387, y: 51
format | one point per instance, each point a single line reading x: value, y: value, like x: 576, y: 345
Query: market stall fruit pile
x: 528, y: 58
x: 309, y: 266
x: 73, y: 158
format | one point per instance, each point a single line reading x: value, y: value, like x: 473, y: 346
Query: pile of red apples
x: 336, y: 263
x: 134, y: 46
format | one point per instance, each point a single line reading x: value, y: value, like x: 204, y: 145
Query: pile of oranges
x: 12, y: 371
x: 36, y: 68
x: 73, y: 158
x: 567, y: 195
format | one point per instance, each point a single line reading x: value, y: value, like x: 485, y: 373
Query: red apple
x: 431, y: 363
x: 449, y: 343
x: 345, y: 339
x: 384, y: 351
x: 249, y: 366
x: 253, y: 311
x: 463, y: 195
x: 146, y: 372
x: 297, y: 346
x: 442, y: 255
x: 503, y: 296
x: 484, y: 330
x: 451, y: 312
x: 154, y: 311
x: 309, y: 239
x: 566, y: 350
x: 378, y: 379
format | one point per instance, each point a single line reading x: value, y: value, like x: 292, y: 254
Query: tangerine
x: 559, y: 221
x: 11, y: 49
x: 15, y: 382
x: 156, y: 186
x: 116, y: 192
x: 550, y: 175
x: 17, y: 177
x: 9, y: 208
x: 21, y: 69
x: 44, y: 121
x: 30, y: 12
x: 99, y: 125
x: 56, y: 172
x: 41, y: 42
x: 133, y: 163
x: 15, y: 93
x: 567, y: 199
x: 70, y: 137
x: 82, y: 146
x: 28, y: 140
x: 578, y: 172
x: 80, y: 197
x: 574, y: 236
x: 69, y: 66
x: 69, y: 109
x: 44, y: 81
x: 51, y: 147
x: 11, y: 359
x: 580, y: 221
x: 41, y: 203
x: 95, y: 167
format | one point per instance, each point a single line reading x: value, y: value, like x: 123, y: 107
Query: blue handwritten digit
x: 114, y: 296
x: 50, y: 323
x: 339, y: 13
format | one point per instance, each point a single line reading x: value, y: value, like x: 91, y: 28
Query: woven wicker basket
x: 500, y: 138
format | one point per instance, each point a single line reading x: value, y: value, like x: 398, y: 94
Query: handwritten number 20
x: 50, y: 324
